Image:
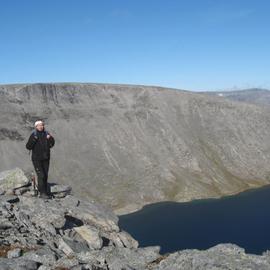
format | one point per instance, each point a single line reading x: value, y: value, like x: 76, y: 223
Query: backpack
x: 35, y: 132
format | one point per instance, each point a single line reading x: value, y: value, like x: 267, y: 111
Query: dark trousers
x: 42, y: 169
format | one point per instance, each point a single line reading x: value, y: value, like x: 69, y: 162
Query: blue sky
x: 194, y: 45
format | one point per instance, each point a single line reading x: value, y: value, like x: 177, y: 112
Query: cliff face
x: 68, y: 233
x: 127, y: 146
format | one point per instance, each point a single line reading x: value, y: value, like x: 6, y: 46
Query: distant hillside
x: 127, y: 146
x: 254, y: 95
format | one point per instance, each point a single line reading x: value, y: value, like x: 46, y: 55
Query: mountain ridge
x: 128, y: 146
x: 258, y: 96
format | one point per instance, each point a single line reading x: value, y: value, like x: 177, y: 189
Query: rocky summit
x: 127, y: 145
x: 65, y: 232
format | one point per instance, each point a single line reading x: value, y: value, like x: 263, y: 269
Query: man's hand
x: 51, y: 140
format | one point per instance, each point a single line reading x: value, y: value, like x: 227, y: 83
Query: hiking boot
x: 44, y: 196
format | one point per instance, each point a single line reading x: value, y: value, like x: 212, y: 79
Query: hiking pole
x: 34, y: 184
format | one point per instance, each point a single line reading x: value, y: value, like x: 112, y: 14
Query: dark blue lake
x: 242, y: 219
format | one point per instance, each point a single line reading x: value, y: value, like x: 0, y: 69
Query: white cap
x: 38, y: 122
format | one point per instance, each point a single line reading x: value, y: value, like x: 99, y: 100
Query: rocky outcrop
x: 219, y: 257
x: 127, y: 146
x: 68, y: 233
x: 59, y: 232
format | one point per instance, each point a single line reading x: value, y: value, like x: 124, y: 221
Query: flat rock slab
x: 91, y: 235
x: 17, y: 264
x: 60, y: 189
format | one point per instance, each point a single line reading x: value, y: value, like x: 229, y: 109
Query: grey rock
x: 115, y: 239
x: 12, y: 179
x: 120, y: 239
x: 45, y: 215
x: 22, y: 190
x: 222, y: 256
x: 76, y: 246
x: 96, y: 258
x: 10, y: 198
x: 5, y: 224
x: 91, y: 235
x: 127, y: 240
x: 120, y: 258
x: 14, y: 253
x: 17, y: 264
x: 90, y: 213
x: 66, y: 262
x: 65, y: 189
x: 43, y: 255
x: 63, y: 246
x: 44, y: 267
x: 59, y: 195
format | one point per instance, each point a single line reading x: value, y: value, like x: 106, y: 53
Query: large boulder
x: 91, y: 235
x: 13, y: 179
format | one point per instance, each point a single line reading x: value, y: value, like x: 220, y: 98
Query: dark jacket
x: 40, y: 145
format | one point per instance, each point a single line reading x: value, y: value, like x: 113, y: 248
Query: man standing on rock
x: 40, y: 142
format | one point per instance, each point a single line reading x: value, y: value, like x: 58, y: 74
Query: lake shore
x: 132, y: 208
